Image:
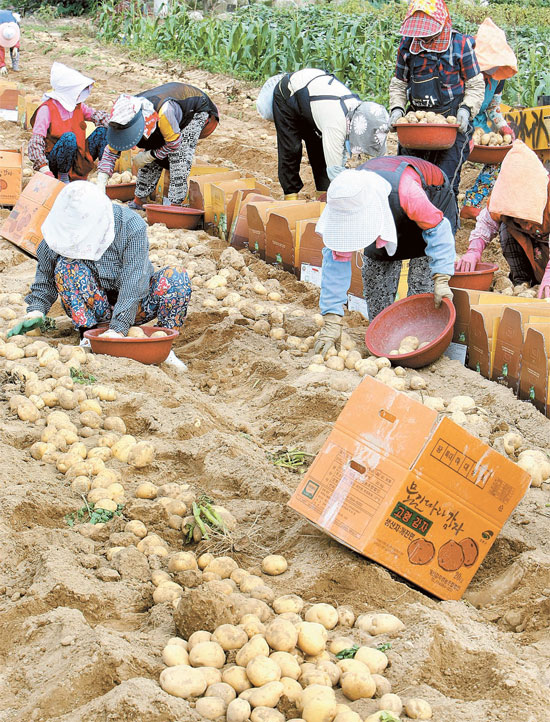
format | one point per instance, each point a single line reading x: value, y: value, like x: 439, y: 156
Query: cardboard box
x: 509, y: 341
x: 22, y: 226
x: 409, y: 490
x: 124, y: 161
x: 535, y: 367
x: 482, y: 336
x: 26, y: 106
x: 238, y: 236
x: 200, y: 187
x: 11, y: 175
x: 224, y: 196
x: 280, y: 232
x: 257, y: 214
x: 464, y: 298
x: 9, y: 99
x: 309, y: 245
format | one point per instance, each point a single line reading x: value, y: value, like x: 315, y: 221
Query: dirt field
x: 81, y: 637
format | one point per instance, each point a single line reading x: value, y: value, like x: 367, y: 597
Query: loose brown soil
x: 81, y: 639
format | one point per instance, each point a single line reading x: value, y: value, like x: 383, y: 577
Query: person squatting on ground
x: 95, y: 257
x: 10, y: 39
x: 166, y: 124
x: 314, y: 107
x: 519, y: 212
x: 391, y: 208
x: 497, y: 62
x: 437, y: 71
x: 58, y: 146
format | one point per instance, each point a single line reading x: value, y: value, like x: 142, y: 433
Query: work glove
x: 463, y: 119
x: 142, y: 159
x: 544, y: 290
x: 102, y: 179
x: 111, y: 334
x: 46, y: 170
x: 469, y: 260
x: 3, y: 70
x: 395, y: 115
x: 441, y: 288
x: 329, y: 335
x: 291, y: 197
x: 31, y: 320
x: 506, y: 130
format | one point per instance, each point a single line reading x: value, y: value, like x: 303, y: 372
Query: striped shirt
x: 124, y: 268
x: 456, y: 65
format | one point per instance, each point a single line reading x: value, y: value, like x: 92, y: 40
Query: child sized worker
x: 95, y: 257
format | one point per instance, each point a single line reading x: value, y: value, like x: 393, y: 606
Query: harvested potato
x: 210, y: 707
x: 141, y: 454
x: 324, y: 614
x: 251, y: 625
x: 312, y: 638
x: 374, y: 659
x: 281, y: 635
x: 535, y: 463
x: 183, y: 681
x: 146, y: 491
x: 180, y: 561
x: 357, y: 685
x: 288, y: 664
x: 416, y: 708
x: 392, y: 703
x: 274, y: 564
x: 268, y: 695
x: 204, y: 560
x: 261, y: 670
x: 121, y: 450
x: 174, y: 654
x: 224, y: 566
x: 137, y: 528
x: 114, y: 423
x: 238, y: 711
x: 380, y: 624
x: 256, y: 646
x: 288, y: 603
x: 230, y: 637
x: 207, y: 654
x: 236, y: 677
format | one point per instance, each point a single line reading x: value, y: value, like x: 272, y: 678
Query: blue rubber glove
x: 440, y: 248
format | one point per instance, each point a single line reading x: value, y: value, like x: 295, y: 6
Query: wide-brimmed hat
x: 357, y: 213
x: 124, y: 137
x: 368, y: 127
x: 10, y: 35
x: 264, y: 102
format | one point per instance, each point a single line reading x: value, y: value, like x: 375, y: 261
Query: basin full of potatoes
x: 426, y: 117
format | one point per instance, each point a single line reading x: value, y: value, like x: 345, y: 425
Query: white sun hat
x: 264, y: 103
x: 357, y: 213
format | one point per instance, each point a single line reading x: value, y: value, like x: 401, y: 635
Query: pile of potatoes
x: 426, y: 116
x: 281, y: 655
x: 408, y: 344
x: 119, y: 178
x: 480, y: 137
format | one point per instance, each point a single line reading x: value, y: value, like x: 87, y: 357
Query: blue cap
x: 126, y: 136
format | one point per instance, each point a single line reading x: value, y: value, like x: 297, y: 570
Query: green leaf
x: 348, y: 653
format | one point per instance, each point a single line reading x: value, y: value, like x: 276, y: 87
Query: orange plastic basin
x: 493, y: 154
x: 122, y: 192
x: 145, y: 350
x: 478, y: 280
x: 412, y: 316
x: 173, y: 216
x: 427, y: 136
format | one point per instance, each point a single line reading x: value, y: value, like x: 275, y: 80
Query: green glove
x: 27, y: 324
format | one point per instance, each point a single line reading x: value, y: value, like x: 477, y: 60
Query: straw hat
x: 9, y: 35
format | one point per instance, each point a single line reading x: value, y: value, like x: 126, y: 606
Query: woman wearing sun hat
x: 391, y: 208
x: 437, y: 71
x: 10, y: 37
x: 314, y: 107
x: 165, y: 123
x: 95, y: 257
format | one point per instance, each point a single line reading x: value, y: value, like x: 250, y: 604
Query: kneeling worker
x: 391, y: 208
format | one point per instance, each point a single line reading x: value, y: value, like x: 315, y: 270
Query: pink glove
x: 506, y: 130
x: 544, y: 290
x: 469, y: 260
x: 46, y: 171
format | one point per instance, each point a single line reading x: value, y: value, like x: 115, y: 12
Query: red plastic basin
x: 173, y: 216
x: 478, y: 280
x: 427, y: 136
x: 412, y: 316
x: 145, y: 350
x: 493, y: 154
x: 121, y: 192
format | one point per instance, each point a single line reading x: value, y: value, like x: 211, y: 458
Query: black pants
x: 450, y: 161
x: 521, y: 270
x: 293, y: 128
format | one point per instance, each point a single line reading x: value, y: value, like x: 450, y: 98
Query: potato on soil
x: 222, y: 690
x: 137, y: 528
x: 324, y: 614
x: 356, y: 686
x: 374, y: 659
x: 312, y: 638
x: 207, y: 654
x: 281, y: 635
x: 182, y: 562
x: 210, y: 708
x: 288, y: 664
x: 174, y: 654
x: 237, y: 678
x: 416, y: 708
x: 268, y: 695
x: 114, y: 423
x: 146, y: 491
x: 238, y: 711
x: 223, y: 566
x: 251, y: 624
x: 183, y: 681
x: 274, y: 564
x: 262, y: 670
x: 230, y: 637
x: 257, y: 645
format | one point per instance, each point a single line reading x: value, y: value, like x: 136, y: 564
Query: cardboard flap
x: 533, y: 381
x: 239, y: 228
x: 199, y: 187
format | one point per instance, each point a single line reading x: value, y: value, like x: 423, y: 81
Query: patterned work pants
x: 180, y: 164
x: 381, y: 280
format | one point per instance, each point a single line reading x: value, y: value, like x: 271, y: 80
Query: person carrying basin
x: 437, y: 71
x: 165, y: 123
x: 518, y: 212
x: 58, y: 145
x: 95, y: 256
x: 391, y: 208
x: 314, y: 107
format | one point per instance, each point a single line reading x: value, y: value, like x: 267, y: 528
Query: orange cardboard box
x: 257, y: 214
x: 224, y: 198
x: 464, y: 298
x: 11, y: 175
x: 280, y: 232
x: 200, y: 187
x: 309, y: 245
x: 482, y: 337
x: 26, y: 106
x: 22, y: 226
x: 510, y: 338
x: 409, y: 490
x: 9, y: 99
x: 238, y: 236
x: 535, y: 367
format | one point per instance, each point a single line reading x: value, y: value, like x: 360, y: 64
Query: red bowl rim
x: 428, y: 125
x: 159, y: 208
x: 493, y: 147
x: 121, y: 185
x: 490, y: 268
x: 93, y: 334
x: 431, y: 344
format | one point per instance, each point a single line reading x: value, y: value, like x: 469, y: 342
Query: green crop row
x: 358, y: 47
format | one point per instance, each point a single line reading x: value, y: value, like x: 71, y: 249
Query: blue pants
x: 62, y: 155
